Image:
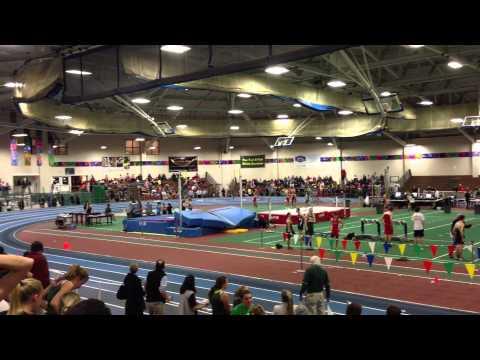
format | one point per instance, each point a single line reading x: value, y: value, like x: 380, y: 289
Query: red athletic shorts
x: 388, y: 229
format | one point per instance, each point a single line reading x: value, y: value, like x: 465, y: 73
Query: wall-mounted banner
x: 13, y: 152
x: 39, y: 146
x: 185, y: 163
x: 113, y: 161
x: 252, y: 161
x: 305, y: 160
x: 27, y: 152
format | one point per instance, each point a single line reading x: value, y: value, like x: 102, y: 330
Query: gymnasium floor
x: 250, y: 259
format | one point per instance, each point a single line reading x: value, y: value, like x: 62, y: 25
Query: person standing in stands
x: 156, y: 289
x: 40, y: 265
x: 188, y: 304
x: 75, y: 278
x: 245, y: 307
x: 218, y: 297
x: 135, y: 304
x: 26, y: 298
x: 388, y: 224
x: 12, y: 270
x: 316, y: 287
x: 418, y: 226
x: 286, y: 307
x: 169, y: 209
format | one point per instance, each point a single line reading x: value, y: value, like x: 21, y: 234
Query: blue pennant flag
x: 370, y: 258
x: 387, y: 247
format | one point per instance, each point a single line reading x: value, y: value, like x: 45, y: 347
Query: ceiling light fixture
x: 244, y: 95
x: 231, y: 147
x: 276, y: 70
x: 385, y: 93
x: 78, y: 72
x: 197, y: 148
x: 175, y: 108
x: 181, y: 126
x: 282, y: 116
x: 76, y: 132
x: 297, y: 105
x: 140, y: 101
x: 455, y: 64
x: 336, y: 83
x: 235, y: 111
x: 103, y: 147
x: 345, y: 112
x: 19, y: 134
x: 426, y: 102
x: 140, y: 139
x: 175, y: 49
x: 63, y: 117
x: 415, y: 46
x: 234, y: 127
x: 54, y: 146
x: 152, y: 148
x: 457, y: 120
x: 318, y: 138
x: 13, y: 85
x: 330, y: 144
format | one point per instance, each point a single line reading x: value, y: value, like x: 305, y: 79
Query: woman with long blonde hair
x: 26, y: 298
x: 75, y: 277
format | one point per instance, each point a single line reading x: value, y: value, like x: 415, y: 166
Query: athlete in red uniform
x: 388, y: 224
x: 335, y: 223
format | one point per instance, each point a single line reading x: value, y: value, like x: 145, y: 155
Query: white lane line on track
x: 268, y: 258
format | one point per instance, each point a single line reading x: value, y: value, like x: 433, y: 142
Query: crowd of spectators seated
x: 160, y: 187
x: 312, y: 186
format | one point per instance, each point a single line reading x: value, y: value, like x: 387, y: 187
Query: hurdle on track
x: 405, y: 228
x: 364, y: 222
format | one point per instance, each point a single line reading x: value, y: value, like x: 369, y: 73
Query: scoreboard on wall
x: 183, y: 164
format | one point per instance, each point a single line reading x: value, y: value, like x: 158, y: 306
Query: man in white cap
x: 316, y: 287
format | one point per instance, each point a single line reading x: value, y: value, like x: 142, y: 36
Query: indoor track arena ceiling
x: 224, y: 91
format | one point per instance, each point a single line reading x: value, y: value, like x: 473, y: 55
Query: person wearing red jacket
x: 39, y: 269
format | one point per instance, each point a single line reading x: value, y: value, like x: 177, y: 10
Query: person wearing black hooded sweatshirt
x: 156, y: 289
x: 135, y: 304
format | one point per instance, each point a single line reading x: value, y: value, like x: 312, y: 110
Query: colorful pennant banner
x: 353, y: 256
x: 470, y: 270
x: 370, y: 258
x: 401, y: 248
x: 388, y: 262
x: 372, y: 244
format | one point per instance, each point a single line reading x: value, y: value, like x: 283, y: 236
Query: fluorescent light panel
x: 78, y: 72
x: 336, y: 83
x: 276, y: 70
x: 175, y: 49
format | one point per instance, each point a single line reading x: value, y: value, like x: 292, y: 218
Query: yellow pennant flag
x: 354, y: 256
x: 401, y: 247
x: 319, y: 240
x: 470, y: 269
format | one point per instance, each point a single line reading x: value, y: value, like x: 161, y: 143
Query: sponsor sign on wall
x: 252, y: 161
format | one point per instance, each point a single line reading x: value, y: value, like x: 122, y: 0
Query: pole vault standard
x: 241, y: 192
x: 179, y: 228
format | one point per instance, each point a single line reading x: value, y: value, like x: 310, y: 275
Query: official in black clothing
x: 135, y: 304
